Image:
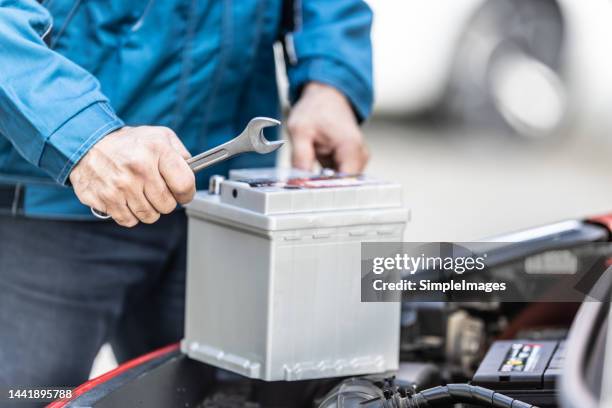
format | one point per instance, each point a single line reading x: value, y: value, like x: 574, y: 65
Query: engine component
x: 418, y: 375
x: 450, y: 334
x: 465, y: 336
x: 366, y: 393
x: 527, y: 370
x: 352, y: 393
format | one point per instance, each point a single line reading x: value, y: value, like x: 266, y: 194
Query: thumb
x: 302, y: 153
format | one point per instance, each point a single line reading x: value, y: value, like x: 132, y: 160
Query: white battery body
x: 274, y: 275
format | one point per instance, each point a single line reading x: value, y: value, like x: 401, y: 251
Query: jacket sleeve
x: 330, y: 43
x: 51, y: 109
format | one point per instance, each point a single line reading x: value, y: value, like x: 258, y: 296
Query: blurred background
x: 494, y: 115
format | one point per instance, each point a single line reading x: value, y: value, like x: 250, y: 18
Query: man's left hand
x: 322, y: 126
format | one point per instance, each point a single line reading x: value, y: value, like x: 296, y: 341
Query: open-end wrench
x: 251, y: 139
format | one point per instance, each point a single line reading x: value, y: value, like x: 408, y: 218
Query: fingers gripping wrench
x: 251, y: 139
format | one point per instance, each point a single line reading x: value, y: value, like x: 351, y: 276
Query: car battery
x: 523, y: 369
x: 274, y: 275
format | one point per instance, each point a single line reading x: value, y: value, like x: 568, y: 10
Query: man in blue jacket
x: 100, y: 104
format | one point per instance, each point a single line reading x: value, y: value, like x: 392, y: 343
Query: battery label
x: 315, y: 182
x: 521, y: 357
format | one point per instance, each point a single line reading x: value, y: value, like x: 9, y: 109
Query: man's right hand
x: 135, y: 174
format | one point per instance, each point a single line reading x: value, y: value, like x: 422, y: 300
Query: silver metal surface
x: 251, y: 139
x: 99, y: 214
x: 214, y: 184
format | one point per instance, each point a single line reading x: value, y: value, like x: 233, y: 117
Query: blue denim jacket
x: 72, y: 71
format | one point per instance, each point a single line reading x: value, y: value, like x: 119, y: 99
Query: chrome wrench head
x: 252, y: 139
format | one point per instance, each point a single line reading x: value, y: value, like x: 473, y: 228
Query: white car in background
x: 424, y: 51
